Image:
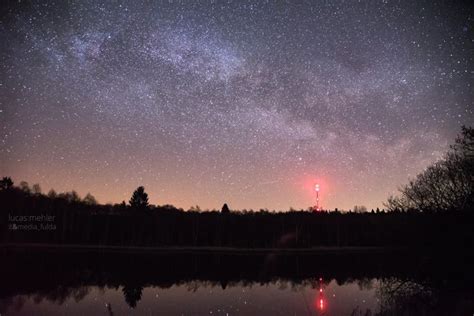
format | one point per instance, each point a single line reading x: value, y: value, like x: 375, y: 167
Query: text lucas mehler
x: 31, y: 222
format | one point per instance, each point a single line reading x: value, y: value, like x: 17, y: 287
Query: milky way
x: 238, y: 102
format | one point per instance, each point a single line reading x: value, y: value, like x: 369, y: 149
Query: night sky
x: 238, y: 102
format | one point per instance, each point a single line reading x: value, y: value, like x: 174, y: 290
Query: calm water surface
x: 200, y: 298
x: 60, y: 283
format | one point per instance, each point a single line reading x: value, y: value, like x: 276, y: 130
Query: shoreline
x: 200, y: 250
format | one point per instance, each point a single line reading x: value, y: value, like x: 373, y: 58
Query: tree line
x: 434, y: 209
x: 447, y: 185
x: 77, y: 221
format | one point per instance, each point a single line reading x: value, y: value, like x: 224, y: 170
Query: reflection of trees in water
x: 396, y: 296
x: 404, y: 297
x: 365, y: 284
x: 132, y: 294
x: 391, y: 291
x: 109, y: 309
x: 58, y: 296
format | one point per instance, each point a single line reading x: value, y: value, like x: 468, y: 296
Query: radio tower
x: 316, y: 188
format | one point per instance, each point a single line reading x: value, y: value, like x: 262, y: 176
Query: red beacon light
x: 317, y: 189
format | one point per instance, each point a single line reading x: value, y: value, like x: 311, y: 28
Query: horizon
x: 81, y: 197
x: 249, y: 104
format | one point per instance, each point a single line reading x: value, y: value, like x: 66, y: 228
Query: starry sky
x: 249, y: 103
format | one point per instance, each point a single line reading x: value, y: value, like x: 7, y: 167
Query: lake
x: 59, y: 282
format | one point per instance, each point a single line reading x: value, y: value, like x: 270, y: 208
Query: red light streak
x: 320, y: 301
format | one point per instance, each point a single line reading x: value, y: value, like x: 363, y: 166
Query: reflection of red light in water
x: 320, y: 300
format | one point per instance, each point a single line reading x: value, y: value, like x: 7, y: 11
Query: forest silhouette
x: 433, y: 210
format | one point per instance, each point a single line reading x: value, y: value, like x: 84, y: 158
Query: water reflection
x: 391, y: 296
x: 109, y: 309
x: 227, y: 285
x: 132, y: 294
x: 279, y: 297
x: 320, y: 303
x: 399, y: 295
